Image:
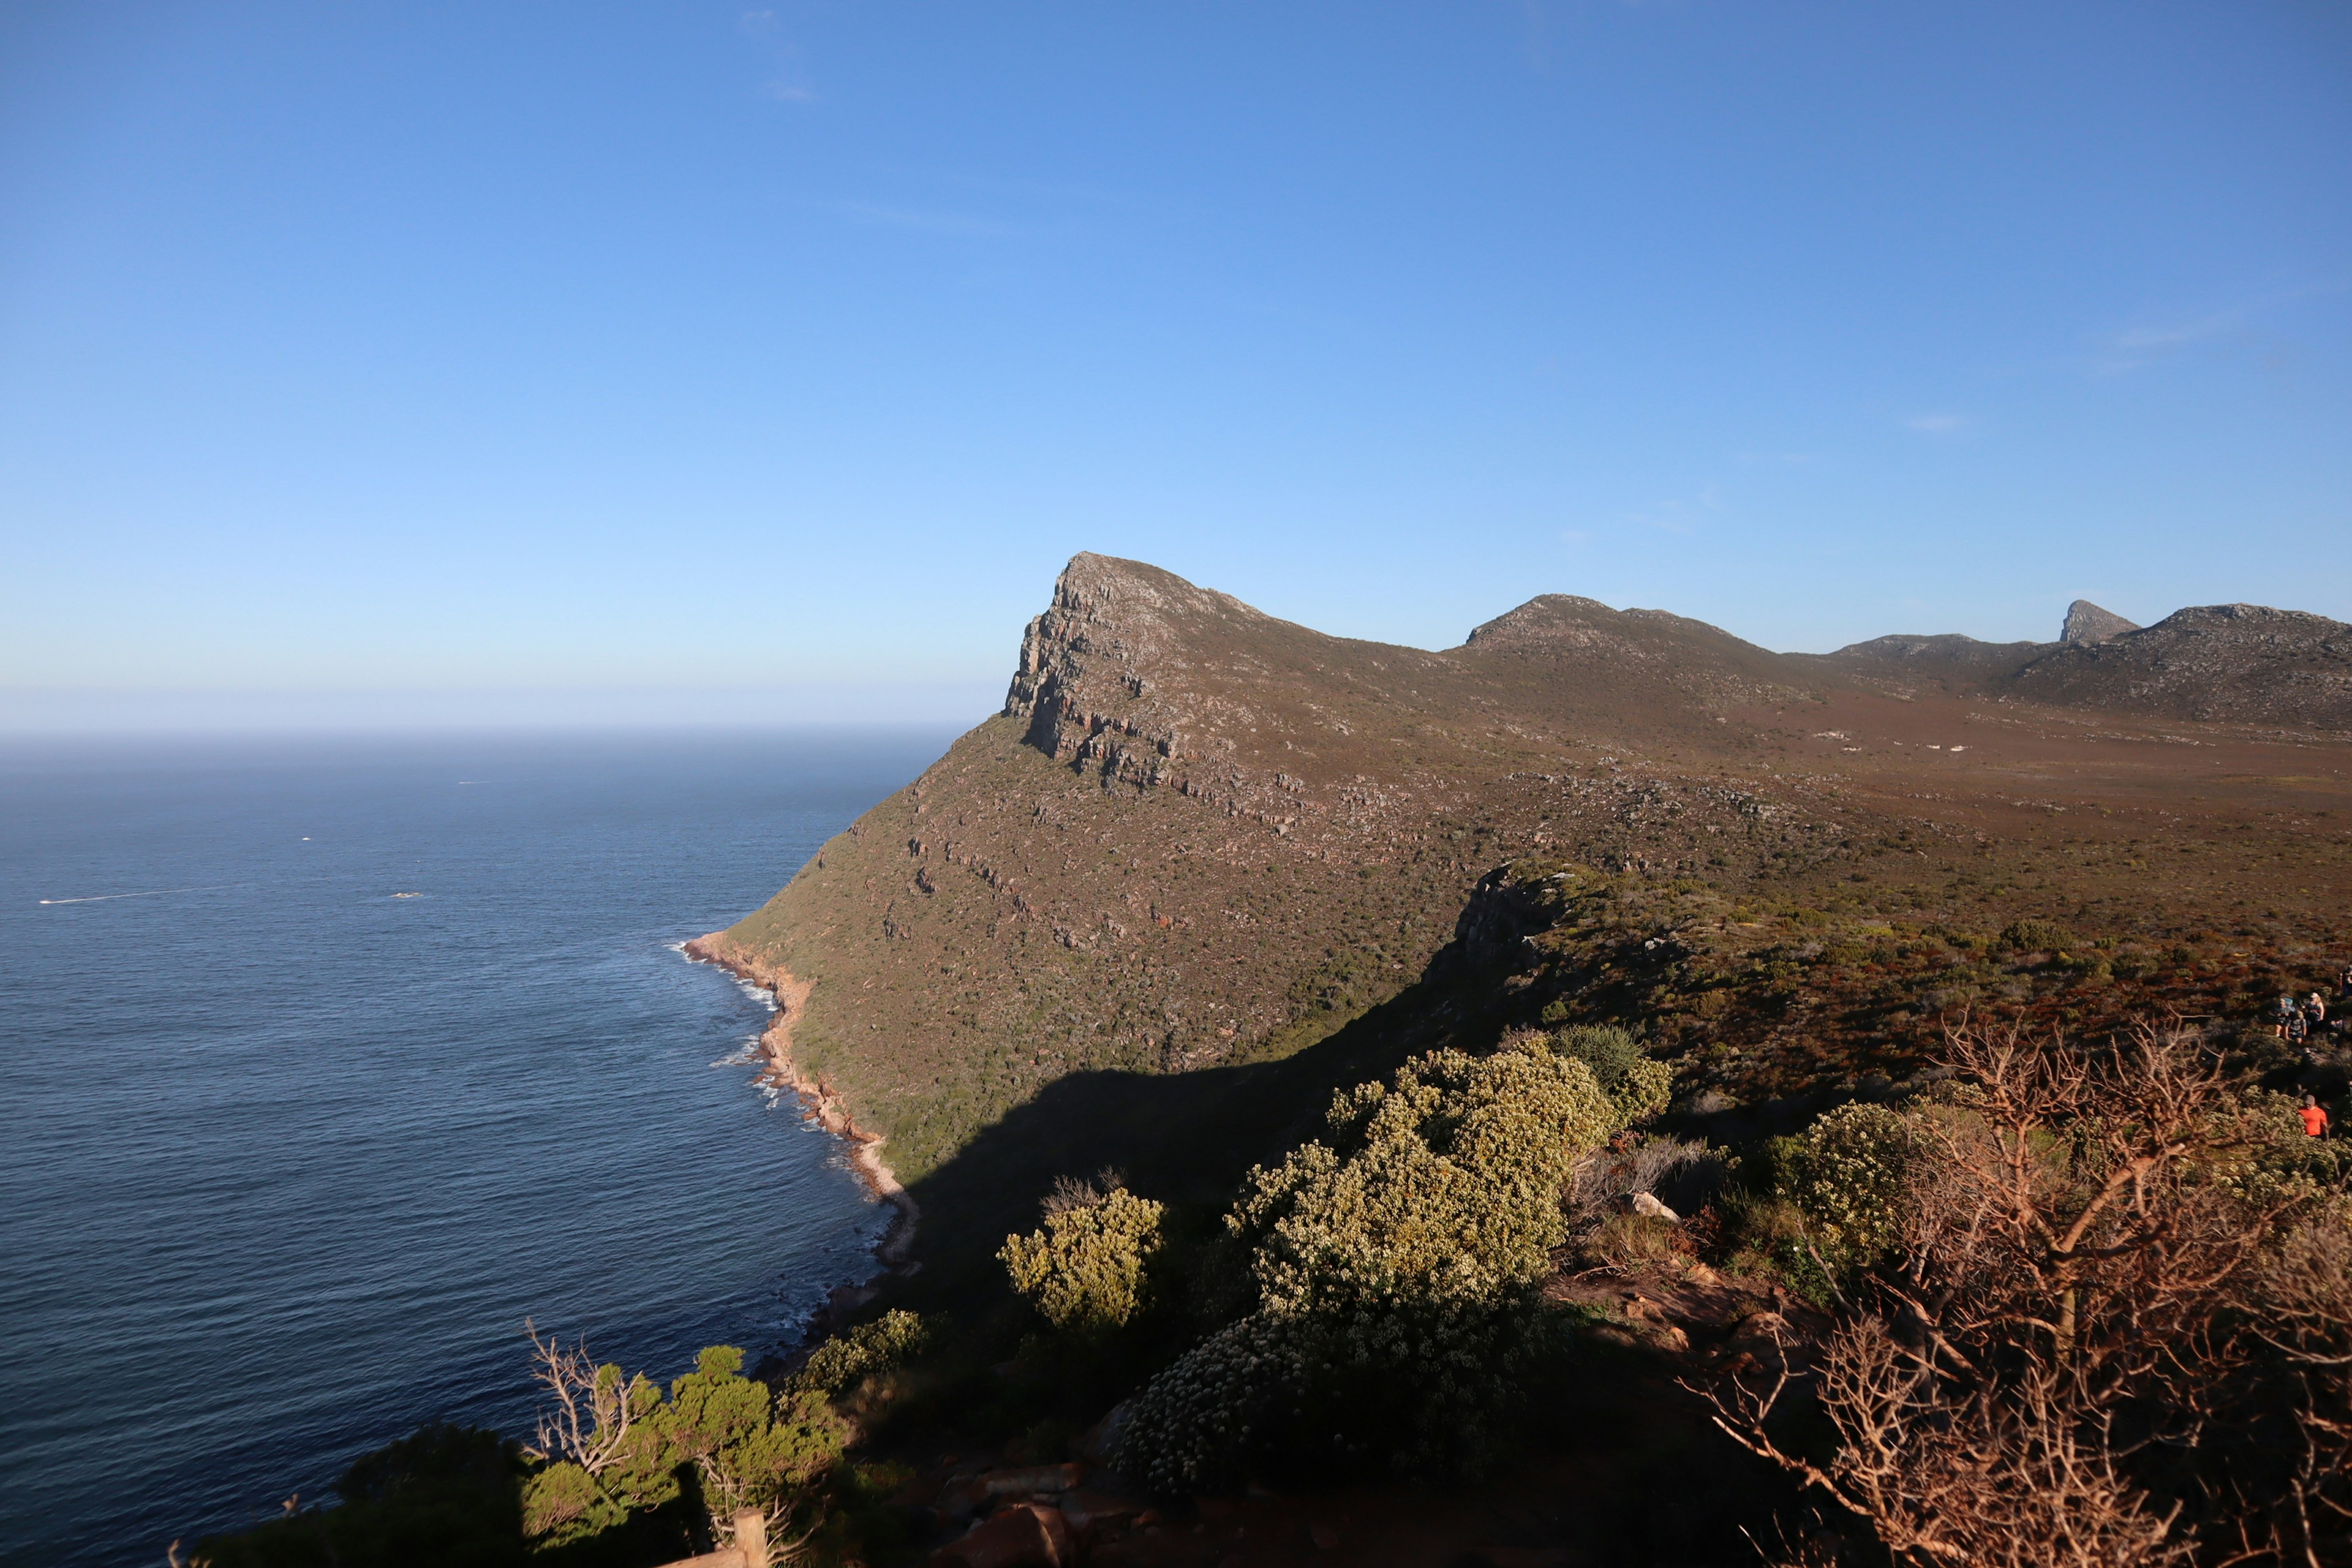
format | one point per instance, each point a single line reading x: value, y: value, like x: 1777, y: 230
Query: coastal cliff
x: 1198, y: 836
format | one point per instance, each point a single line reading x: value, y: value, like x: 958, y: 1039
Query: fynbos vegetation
x: 2099, y: 1317
x: 1394, y: 1268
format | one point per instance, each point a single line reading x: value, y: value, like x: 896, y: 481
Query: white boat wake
x: 157, y: 893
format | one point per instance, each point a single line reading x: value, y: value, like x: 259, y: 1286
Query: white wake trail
x: 157, y: 893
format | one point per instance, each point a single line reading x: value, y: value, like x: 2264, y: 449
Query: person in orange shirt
x: 2315, y: 1118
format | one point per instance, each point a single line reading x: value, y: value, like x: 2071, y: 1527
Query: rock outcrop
x: 2244, y: 664
x: 2087, y: 623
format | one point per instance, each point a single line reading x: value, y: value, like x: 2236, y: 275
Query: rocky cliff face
x: 1093, y: 686
x: 2087, y: 623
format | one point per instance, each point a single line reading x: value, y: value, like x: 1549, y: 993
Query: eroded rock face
x: 2087, y: 623
x: 1093, y: 667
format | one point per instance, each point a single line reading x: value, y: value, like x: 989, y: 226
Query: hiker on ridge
x: 2315, y: 1118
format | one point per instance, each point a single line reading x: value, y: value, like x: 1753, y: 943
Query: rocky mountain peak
x: 2247, y: 663
x: 1547, y: 617
x: 1093, y: 665
x: 2087, y: 623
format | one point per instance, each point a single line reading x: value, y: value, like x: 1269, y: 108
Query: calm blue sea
x: 288, y: 1157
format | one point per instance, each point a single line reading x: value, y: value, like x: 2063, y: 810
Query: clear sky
x: 389, y: 362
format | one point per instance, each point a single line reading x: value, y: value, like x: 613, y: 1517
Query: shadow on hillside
x: 1182, y: 1138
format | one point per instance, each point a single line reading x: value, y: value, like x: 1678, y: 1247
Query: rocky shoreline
x: 822, y: 1105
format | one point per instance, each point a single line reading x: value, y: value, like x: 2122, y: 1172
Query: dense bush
x: 1850, y: 1177
x: 740, y: 1446
x: 2117, y: 1332
x: 842, y: 1362
x: 1394, y: 1267
x: 2036, y: 936
x: 1637, y: 1085
x: 1083, y: 1271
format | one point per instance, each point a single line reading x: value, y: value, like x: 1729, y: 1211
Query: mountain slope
x: 2242, y: 664
x: 2232, y: 663
x: 1199, y: 837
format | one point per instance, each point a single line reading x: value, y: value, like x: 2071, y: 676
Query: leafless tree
x: 589, y: 1419
x: 2058, y: 1309
x: 2304, y: 1310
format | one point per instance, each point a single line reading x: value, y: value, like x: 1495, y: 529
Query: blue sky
x: 382, y: 362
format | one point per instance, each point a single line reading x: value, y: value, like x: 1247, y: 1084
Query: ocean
x: 327, y: 1062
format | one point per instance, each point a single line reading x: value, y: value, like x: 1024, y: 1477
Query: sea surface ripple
x: 288, y: 1157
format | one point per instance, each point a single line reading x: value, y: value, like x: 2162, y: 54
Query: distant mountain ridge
x: 2217, y: 663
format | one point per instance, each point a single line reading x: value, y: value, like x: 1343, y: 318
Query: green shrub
x: 627, y: 1464
x: 1395, y: 1269
x: 1083, y: 1271
x: 2036, y: 936
x: 837, y: 1365
x: 742, y: 1448
x: 1636, y: 1084
x: 1852, y: 1180
x: 751, y: 1449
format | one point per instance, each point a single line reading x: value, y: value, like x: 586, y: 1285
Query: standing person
x: 2314, y: 1117
x: 2314, y: 1007
x: 2298, y: 1028
x: 2344, y: 985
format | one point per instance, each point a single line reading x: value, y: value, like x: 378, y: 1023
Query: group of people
x: 2298, y: 1021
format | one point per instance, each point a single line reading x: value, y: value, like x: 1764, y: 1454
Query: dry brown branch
x: 2056, y: 1313
x: 588, y: 1422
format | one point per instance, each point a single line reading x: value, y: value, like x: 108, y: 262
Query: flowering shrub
x: 837, y: 1365
x: 1852, y: 1179
x: 1083, y: 1271
x: 1394, y: 1267
x: 1195, y: 1424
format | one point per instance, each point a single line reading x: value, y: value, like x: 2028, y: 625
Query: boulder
x: 1085, y: 1509
x: 968, y: 1495
x: 1100, y: 1444
x: 1648, y: 1204
x: 1025, y: 1535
